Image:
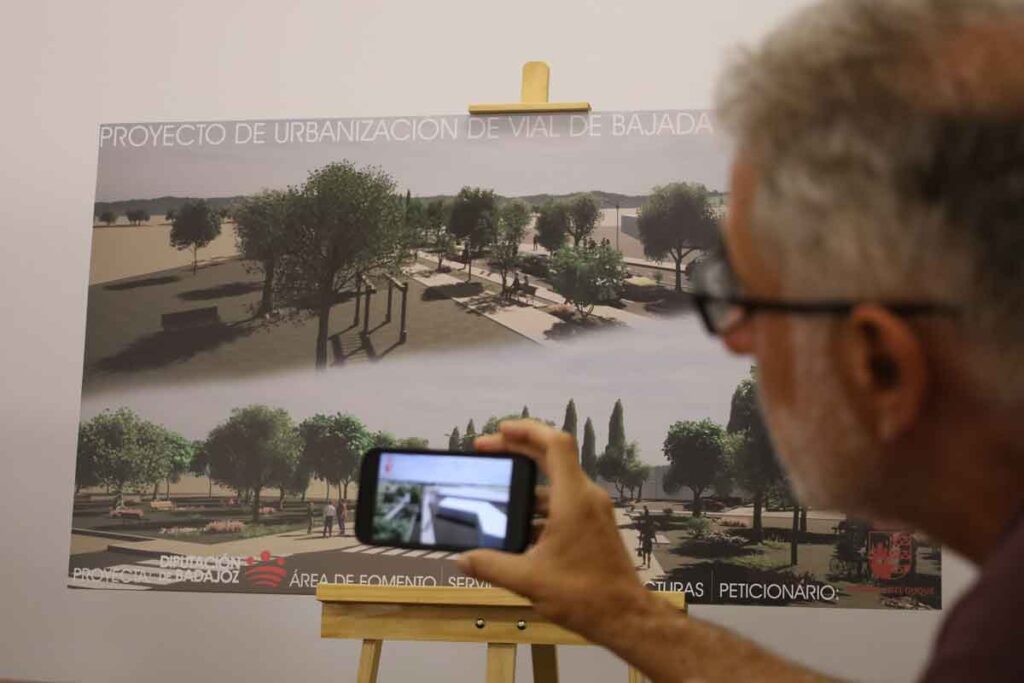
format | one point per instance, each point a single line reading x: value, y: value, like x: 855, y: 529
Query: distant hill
x: 159, y: 206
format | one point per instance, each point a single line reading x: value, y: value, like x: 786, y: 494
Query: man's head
x: 881, y: 159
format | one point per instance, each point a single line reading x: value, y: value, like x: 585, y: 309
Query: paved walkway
x: 631, y: 538
x: 527, y: 321
x: 546, y: 295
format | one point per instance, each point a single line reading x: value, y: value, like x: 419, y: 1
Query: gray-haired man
x: 873, y: 267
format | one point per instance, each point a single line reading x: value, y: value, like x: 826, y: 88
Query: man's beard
x: 818, y: 439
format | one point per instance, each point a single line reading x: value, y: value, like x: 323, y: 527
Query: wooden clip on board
x: 534, y: 97
x: 458, y: 615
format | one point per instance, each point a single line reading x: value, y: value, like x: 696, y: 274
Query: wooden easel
x: 458, y: 615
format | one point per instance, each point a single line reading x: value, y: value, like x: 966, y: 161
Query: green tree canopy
x: 636, y: 472
x: 333, y: 446
x: 588, y: 451
x: 696, y: 455
x: 262, y: 233
x: 474, y: 219
x: 438, y: 217
x: 513, y: 217
x: 179, y: 453
x: 109, y: 217
x: 257, y: 447
x: 755, y: 467
x: 675, y: 220
x: 583, y: 216
x: 552, y: 226
x: 349, y: 222
x: 195, y: 226
x: 588, y: 275
x: 122, y: 451
x: 455, y: 440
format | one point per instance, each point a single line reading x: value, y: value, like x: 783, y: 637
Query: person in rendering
x: 646, y: 537
x: 342, y: 517
x: 872, y: 265
x: 309, y: 516
x: 329, y: 514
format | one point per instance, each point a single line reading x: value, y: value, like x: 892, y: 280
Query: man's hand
x: 579, y: 573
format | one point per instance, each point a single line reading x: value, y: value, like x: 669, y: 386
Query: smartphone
x: 445, y: 501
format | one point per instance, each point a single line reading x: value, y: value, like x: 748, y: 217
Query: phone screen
x: 446, y: 500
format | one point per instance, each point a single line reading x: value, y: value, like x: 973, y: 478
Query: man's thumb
x: 506, y: 570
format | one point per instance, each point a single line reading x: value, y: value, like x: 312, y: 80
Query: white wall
x: 67, y: 66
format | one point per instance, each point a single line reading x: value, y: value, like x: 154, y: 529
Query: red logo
x: 266, y: 572
x: 891, y: 554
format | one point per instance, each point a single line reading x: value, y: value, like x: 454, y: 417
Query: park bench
x: 196, y: 317
x: 127, y: 513
x: 165, y: 505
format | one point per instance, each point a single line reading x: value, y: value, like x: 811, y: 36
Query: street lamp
x: 617, y: 227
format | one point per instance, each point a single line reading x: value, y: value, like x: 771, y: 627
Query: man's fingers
x: 501, y: 569
x: 497, y: 443
x: 542, y: 501
x: 556, y: 450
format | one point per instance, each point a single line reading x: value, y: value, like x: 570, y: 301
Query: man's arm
x: 667, y: 646
x: 579, y: 575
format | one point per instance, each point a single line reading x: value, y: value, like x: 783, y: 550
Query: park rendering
x: 260, y: 317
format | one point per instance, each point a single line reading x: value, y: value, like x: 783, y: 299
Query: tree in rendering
x: 333, y: 446
x: 108, y: 217
x: 588, y: 450
x: 587, y: 275
x: 195, y: 226
x: 552, y: 226
x: 583, y: 213
x: 569, y: 424
x: 696, y: 455
x: 256, y: 448
x: 474, y: 220
x: 437, y: 218
x: 349, y: 222
x: 262, y: 235
x: 675, y: 220
x: 754, y: 464
x: 513, y: 217
x: 121, y: 451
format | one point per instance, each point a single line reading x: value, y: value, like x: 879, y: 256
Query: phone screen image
x: 449, y: 501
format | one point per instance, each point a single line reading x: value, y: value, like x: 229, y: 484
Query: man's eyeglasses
x: 723, y: 308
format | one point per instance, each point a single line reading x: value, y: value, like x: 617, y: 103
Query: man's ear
x: 886, y: 367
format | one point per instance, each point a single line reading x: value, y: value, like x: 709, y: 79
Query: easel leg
x: 636, y: 677
x: 369, y: 661
x: 545, y: 664
x: 501, y: 662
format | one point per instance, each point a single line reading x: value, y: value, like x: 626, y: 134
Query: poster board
x: 269, y: 299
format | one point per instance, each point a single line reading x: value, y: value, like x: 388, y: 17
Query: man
x: 873, y: 268
x: 329, y: 514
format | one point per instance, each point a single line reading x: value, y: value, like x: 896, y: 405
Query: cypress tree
x: 526, y: 413
x: 454, y: 440
x: 588, y: 458
x: 570, y: 426
x: 617, y: 431
x: 469, y: 437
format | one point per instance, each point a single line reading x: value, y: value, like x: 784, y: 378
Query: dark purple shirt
x: 983, y: 637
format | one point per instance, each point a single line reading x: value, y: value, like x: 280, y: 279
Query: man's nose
x: 740, y: 340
